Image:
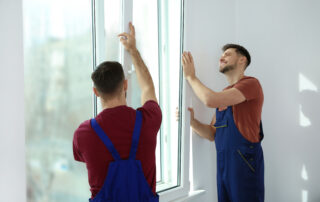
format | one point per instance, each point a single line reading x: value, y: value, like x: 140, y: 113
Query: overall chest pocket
x: 221, y: 124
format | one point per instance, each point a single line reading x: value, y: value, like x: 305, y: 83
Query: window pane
x: 145, y: 19
x: 165, y: 71
x: 58, y: 96
x: 108, y: 19
x: 169, y: 72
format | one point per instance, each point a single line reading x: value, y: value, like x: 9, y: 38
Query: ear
x: 125, y: 85
x: 243, y: 60
x: 95, y: 91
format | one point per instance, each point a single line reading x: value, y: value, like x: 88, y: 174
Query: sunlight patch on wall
x: 304, y: 195
x: 304, y: 173
x: 304, y: 121
x: 191, y: 162
x: 305, y: 84
x: 304, y: 176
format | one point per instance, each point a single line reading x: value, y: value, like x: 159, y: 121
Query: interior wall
x: 207, y: 29
x: 283, y: 39
x: 12, y: 144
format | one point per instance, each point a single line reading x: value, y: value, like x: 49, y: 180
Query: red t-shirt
x: 247, y: 115
x: 118, y: 124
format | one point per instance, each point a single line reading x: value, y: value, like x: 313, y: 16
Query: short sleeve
x: 152, y: 114
x: 76, y: 151
x: 250, y: 88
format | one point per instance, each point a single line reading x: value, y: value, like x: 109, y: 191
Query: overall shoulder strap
x: 136, y: 134
x: 105, y: 139
x: 261, y: 132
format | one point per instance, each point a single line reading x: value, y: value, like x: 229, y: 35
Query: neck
x: 233, y: 77
x: 114, y: 102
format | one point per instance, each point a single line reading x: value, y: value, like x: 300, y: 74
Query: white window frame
x: 181, y: 192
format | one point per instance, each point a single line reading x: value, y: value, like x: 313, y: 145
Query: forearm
x: 144, y: 78
x: 203, y: 130
x: 202, y: 92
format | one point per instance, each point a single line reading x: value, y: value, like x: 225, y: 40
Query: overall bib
x: 125, y: 181
x: 240, y: 164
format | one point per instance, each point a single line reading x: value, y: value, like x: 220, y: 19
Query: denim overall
x: 240, y: 164
x: 125, y: 181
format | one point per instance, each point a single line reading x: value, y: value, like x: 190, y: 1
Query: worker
x: 236, y: 126
x: 118, y: 146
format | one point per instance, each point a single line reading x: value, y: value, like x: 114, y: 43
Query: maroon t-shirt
x: 118, y: 124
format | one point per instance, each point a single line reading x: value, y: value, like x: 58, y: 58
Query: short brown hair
x: 108, y: 77
x: 240, y: 50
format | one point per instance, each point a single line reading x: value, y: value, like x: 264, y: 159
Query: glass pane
x: 108, y: 14
x: 145, y: 20
x: 58, y: 96
x: 169, y: 72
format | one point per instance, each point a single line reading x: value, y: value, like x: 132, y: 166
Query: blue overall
x: 240, y: 164
x: 125, y: 180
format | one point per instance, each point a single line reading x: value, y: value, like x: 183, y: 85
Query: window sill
x: 191, y: 196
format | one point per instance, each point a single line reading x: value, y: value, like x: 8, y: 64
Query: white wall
x: 283, y: 39
x: 12, y: 144
x: 207, y: 29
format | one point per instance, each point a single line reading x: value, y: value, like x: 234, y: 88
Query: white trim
x: 182, y: 191
x: 100, y: 33
x: 12, y: 126
x: 171, y: 197
x: 125, y: 58
x: 192, y: 196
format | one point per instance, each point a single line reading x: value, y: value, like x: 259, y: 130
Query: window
x: 62, y: 44
x: 170, y: 92
x: 158, y: 34
x: 58, y: 95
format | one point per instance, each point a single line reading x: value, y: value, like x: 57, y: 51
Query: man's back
x: 118, y: 124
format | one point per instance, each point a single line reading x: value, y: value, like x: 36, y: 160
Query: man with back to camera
x: 236, y: 127
x: 119, y: 123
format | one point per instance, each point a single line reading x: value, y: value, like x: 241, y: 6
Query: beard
x: 227, y: 69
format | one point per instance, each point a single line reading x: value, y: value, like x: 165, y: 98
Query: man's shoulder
x: 249, y: 78
x: 250, y: 87
x: 248, y: 81
x: 151, y: 113
x: 150, y: 103
x: 83, y: 128
x: 150, y: 106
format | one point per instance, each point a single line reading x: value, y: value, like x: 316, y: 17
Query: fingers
x: 190, y: 57
x: 187, y: 57
x: 124, y: 34
x: 183, y: 59
x: 132, y: 30
x: 191, y: 113
x: 124, y: 41
x: 190, y: 109
x: 177, y: 114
